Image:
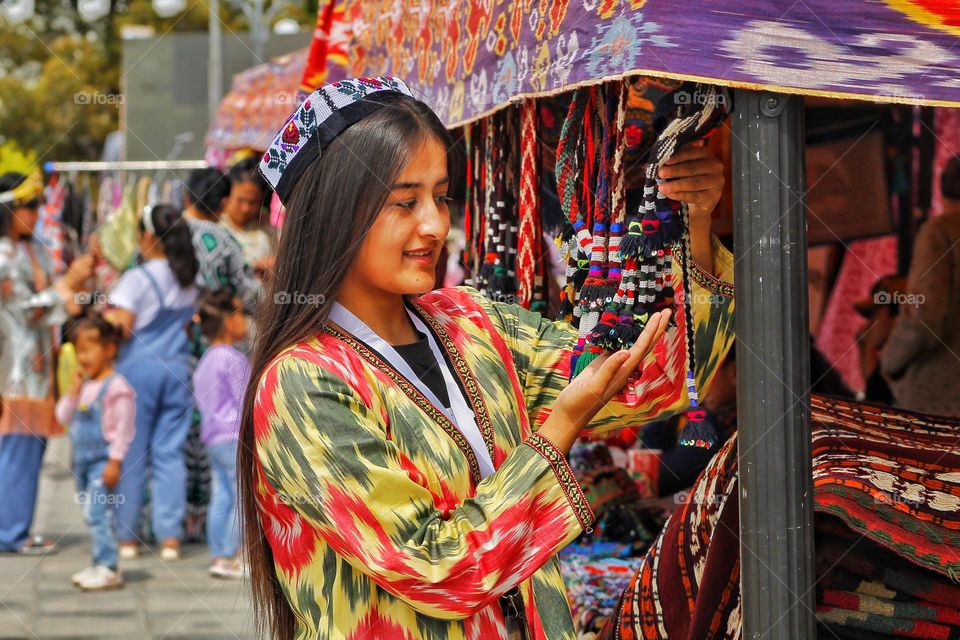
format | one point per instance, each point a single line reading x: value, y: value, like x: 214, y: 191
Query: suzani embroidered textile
x: 466, y: 58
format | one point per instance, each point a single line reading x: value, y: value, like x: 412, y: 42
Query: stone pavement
x: 172, y: 601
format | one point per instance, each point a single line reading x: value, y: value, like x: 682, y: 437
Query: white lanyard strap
x: 459, y: 413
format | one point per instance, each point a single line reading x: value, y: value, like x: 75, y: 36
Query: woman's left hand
x: 695, y: 176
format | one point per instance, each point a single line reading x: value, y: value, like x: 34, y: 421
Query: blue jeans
x: 223, y: 535
x: 97, y: 503
x: 21, y: 457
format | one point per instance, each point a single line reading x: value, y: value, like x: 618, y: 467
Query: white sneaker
x: 81, y: 575
x: 228, y: 569
x: 129, y: 551
x: 102, y: 578
x: 170, y: 554
x: 218, y: 568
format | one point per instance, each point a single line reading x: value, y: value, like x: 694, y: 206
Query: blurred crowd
x: 136, y: 364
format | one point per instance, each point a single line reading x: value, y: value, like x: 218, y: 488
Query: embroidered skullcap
x: 324, y: 115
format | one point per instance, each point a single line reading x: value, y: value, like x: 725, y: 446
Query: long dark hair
x: 329, y: 213
x: 174, y: 234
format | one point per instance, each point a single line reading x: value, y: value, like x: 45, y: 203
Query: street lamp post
x: 215, y: 60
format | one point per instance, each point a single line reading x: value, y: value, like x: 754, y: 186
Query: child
x: 219, y: 384
x: 100, y: 409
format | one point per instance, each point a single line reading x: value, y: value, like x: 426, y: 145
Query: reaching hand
x: 695, y: 176
x: 586, y: 394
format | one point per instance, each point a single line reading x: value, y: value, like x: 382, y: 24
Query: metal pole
x: 257, y: 28
x: 773, y: 368
x: 130, y: 165
x: 215, y: 61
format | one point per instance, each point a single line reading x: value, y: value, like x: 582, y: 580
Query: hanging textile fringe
x: 529, y: 264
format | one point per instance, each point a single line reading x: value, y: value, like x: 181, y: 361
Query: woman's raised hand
x: 586, y: 394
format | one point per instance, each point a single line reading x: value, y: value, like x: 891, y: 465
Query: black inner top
x: 420, y: 358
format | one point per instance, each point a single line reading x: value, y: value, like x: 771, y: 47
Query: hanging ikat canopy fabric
x: 469, y: 57
x: 259, y: 102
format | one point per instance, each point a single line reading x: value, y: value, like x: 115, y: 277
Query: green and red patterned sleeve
x: 542, y: 348
x: 324, y: 447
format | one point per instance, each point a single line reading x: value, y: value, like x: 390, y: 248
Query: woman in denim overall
x: 155, y: 361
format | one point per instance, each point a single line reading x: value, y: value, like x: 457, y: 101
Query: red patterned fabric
x: 528, y: 246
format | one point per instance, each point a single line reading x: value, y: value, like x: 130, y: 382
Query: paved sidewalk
x: 173, y: 601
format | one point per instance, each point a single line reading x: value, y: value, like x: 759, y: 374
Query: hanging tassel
x: 697, y: 432
x: 632, y: 243
x: 583, y: 361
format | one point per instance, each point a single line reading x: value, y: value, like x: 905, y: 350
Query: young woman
x: 402, y: 453
x: 31, y: 305
x: 222, y: 263
x: 152, y: 305
x: 242, y: 215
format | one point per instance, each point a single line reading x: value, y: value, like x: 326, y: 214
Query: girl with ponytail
x: 151, y: 304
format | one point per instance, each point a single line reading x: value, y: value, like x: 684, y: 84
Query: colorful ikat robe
x: 372, y: 501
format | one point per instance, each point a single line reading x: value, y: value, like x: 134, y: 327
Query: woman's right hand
x: 586, y: 394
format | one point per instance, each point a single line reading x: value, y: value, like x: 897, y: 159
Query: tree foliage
x: 60, y: 76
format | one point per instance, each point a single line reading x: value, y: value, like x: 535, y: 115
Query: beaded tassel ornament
x: 476, y: 202
x: 646, y: 284
x: 598, y: 288
x: 577, y: 161
x: 497, y: 275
